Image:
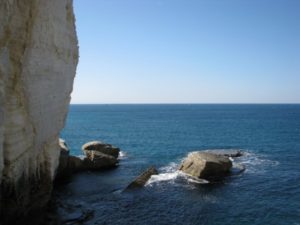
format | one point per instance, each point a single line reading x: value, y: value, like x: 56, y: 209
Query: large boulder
x: 69, y: 164
x: 96, y: 160
x: 206, y: 165
x: 100, y: 147
x: 142, y: 179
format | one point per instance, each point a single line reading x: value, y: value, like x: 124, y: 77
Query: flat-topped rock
x: 142, y: 179
x: 226, y: 152
x: 101, y: 147
x: 206, y: 165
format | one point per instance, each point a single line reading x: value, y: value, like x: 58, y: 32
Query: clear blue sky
x: 188, y: 51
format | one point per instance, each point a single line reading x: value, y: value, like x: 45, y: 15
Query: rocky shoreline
x: 211, y: 165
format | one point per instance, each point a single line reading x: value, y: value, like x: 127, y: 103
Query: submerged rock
x: 226, y: 152
x: 142, y: 179
x: 100, y: 147
x: 206, y: 165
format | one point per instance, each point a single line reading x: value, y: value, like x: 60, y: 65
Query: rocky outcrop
x: 97, y: 160
x: 94, y: 160
x: 206, y: 165
x: 97, y: 146
x: 63, y: 169
x: 142, y: 179
x: 68, y: 164
x: 226, y: 152
x: 38, y: 58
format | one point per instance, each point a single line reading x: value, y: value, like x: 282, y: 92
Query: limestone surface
x: 206, y: 165
x: 38, y: 59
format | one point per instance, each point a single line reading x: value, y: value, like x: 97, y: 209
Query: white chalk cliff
x: 38, y: 59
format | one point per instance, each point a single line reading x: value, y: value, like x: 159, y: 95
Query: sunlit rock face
x: 38, y: 58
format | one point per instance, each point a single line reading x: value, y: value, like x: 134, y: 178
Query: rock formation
x: 93, y: 160
x: 67, y: 163
x: 38, y: 58
x: 206, y: 165
x: 98, y: 160
x: 98, y: 146
x: 142, y: 179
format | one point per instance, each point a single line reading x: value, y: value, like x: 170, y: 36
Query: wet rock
x: 63, y: 169
x: 142, y: 179
x: 76, y: 164
x: 206, y: 165
x: 69, y: 164
x: 63, y: 145
x: 100, y: 147
x: 226, y: 152
x: 97, y: 160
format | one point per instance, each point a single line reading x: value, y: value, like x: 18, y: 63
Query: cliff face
x: 38, y: 58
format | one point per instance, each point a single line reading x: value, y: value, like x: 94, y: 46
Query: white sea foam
x: 197, y: 181
x: 163, y: 177
x: 171, y: 167
x: 167, y: 173
x: 81, y: 156
x: 254, y: 162
x: 250, y: 162
x: 170, y: 173
x: 122, y: 155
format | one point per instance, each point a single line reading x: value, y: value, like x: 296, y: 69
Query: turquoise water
x: 268, y: 192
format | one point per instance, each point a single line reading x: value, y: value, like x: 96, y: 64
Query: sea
x: 161, y: 135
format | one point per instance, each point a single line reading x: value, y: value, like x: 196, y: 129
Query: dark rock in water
x: 78, y: 217
x: 71, y: 214
x: 94, y: 160
x: 75, y: 164
x: 226, y: 152
x: 100, y: 147
x: 63, y: 169
x: 141, y: 180
x: 97, y: 160
x: 206, y: 165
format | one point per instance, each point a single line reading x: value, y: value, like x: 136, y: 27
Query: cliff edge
x: 38, y: 59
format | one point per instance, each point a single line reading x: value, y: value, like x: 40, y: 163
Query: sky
x: 187, y: 51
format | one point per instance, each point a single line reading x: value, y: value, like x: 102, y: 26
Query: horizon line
x: 227, y: 103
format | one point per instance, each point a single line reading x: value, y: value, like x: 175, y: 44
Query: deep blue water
x: 268, y: 192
